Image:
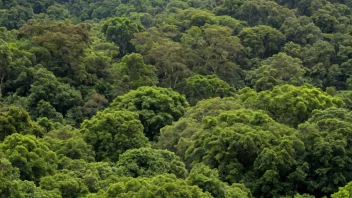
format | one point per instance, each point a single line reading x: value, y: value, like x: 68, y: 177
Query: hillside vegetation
x: 175, y: 98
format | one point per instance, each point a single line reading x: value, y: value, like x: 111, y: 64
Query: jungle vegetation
x: 175, y: 98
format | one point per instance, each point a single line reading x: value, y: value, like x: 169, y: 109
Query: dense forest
x: 175, y: 98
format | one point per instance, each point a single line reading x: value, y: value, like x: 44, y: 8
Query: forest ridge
x: 175, y: 98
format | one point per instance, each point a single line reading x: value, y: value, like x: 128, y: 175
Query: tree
x: 276, y: 70
x: 12, y: 186
x: 63, y: 44
x: 177, y: 136
x: 343, y: 192
x: 288, y: 104
x: 159, y: 186
x: 235, y: 143
x: 208, y: 180
x: 92, y: 175
x: 166, y: 55
x: 325, y: 20
x: 261, y: 41
x: 120, y: 30
x: 5, y: 58
x: 7, y: 175
x: 15, y: 17
x: 346, y: 96
x: 319, y: 59
x: 66, y: 184
x: 301, y: 30
x: 48, y: 88
x: 67, y: 141
x: 17, y: 120
x: 155, y: 106
x: 327, y: 138
x: 135, y: 73
x: 147, y: 162
x: 57, y: 12
x: 44, y: 109
x: 197, y: 17
x: 201, y: 87
x: 214, y: 50
x: 76, y: 115
x: 33, y: 158
x: 261, y: 13
x: 168, y: 58
x: 112, y: 133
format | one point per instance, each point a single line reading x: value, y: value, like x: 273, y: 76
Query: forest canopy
x: 175, y: 98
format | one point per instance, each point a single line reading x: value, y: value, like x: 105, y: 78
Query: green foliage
x: 112, y: 133
x: 120, y: 30
x: 159, y: 186
x: 261, y: 41
x: 59, y: 46
x: 288, y: 104
x: 17, y: 120
x: 66, y: 184
x: 258, y: 12
x: 277, y: 70
x: 93, y: 175
x: 155, y: 106
x: 254, y: 69
x: 5, y: 58
x: 68, y: 142
x: 30, y: 155
x: 202, y: 87
x: 135, y: 73
x: 15, y: 17
x: 46, y: 87
x: 175, y: 137
x: 147, y: 162
x: 327, y: 138
x: 12, y: 186
x: 76, y: 115
x: 44, y: 109
x: 208, y: 180
x: 345, y: 191
x: 7, y: 175
x: 237, y: 143
x: 301, y: 30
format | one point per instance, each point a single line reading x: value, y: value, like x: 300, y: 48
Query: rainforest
x: 175, y: 98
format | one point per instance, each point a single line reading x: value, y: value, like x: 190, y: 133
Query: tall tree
x: 120, y: 30
x: 5, y: 59
x: 112, y: 133
x: 135, y: 73
x: 155, y: 106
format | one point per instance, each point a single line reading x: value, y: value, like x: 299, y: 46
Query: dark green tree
x: 261, y: 41
x: 289, y: 104
x: 147, y: 162
x: 17, y: 120
x: 135, y: 73
x: 176, y: 137
x: 327, y: 138
x: 235, y: 142
x: 163, y: 185
x: 5, y: 58
x: 112, y: 133
x: 201, y: 87
x: 155, y: 106
x: 208, y: 180
x: 67, y: 185
x: 48, y: 88
x: 120, y: 30
x: 33, y: 158
x: 277, y: 70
